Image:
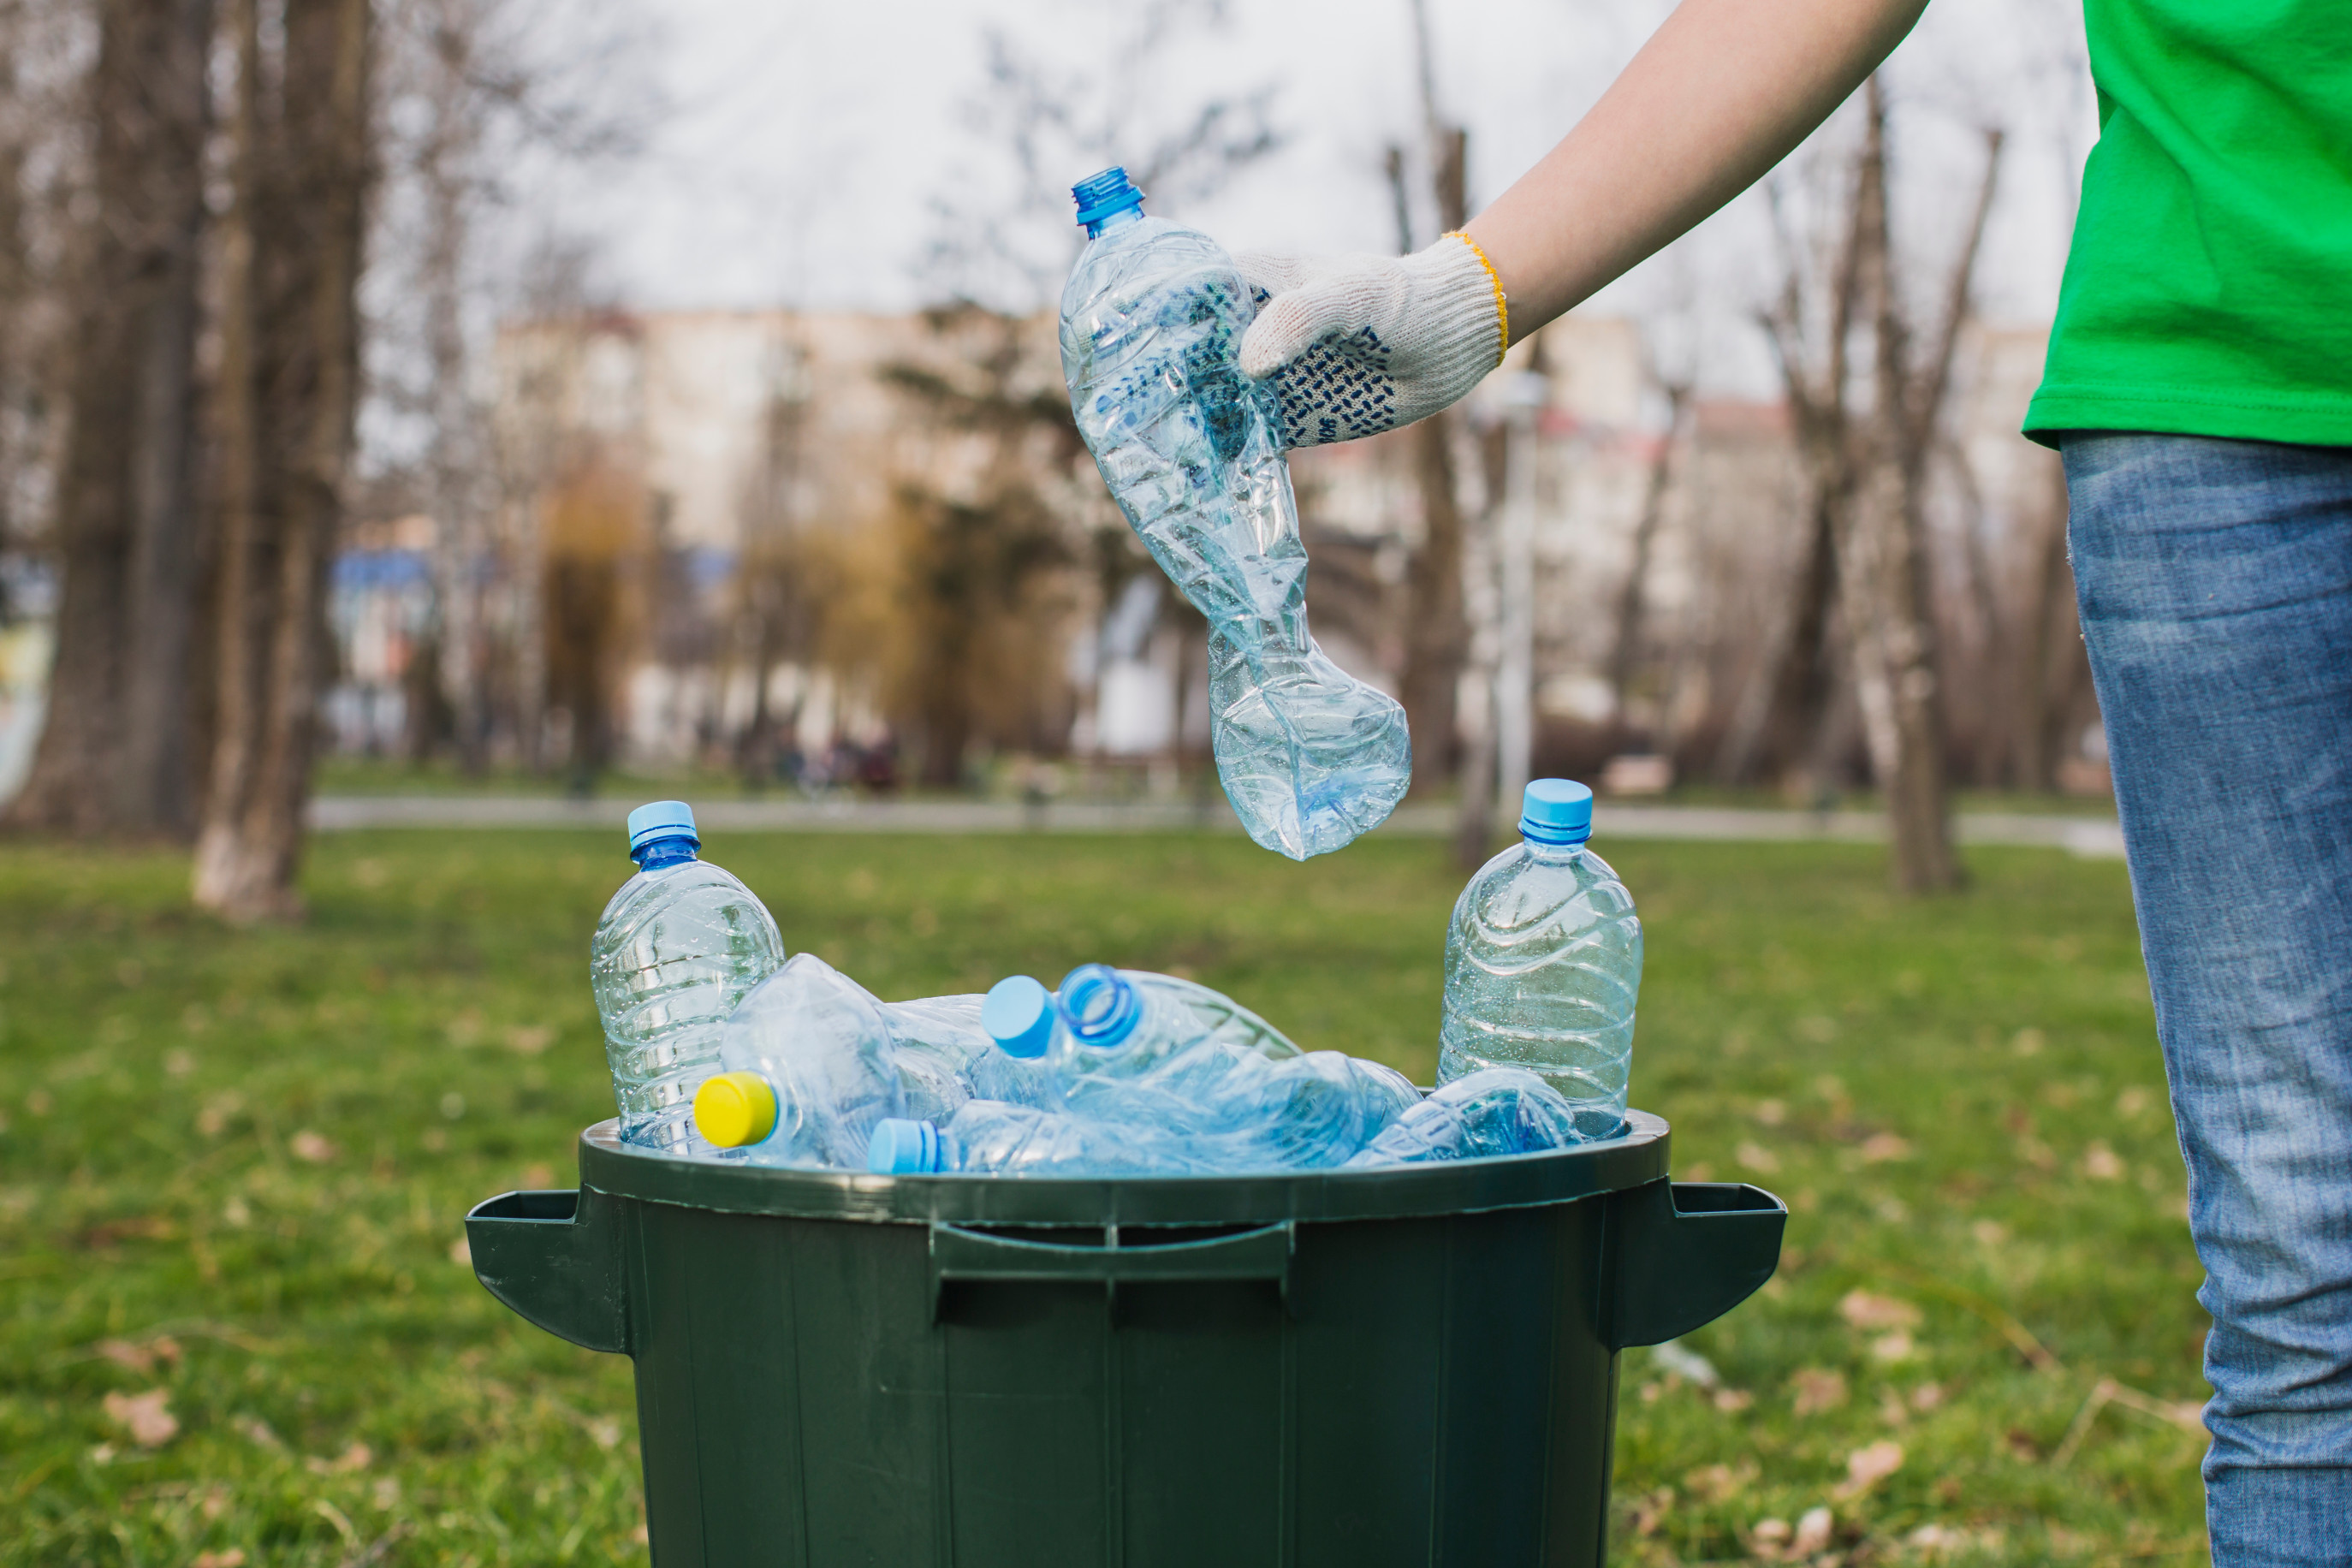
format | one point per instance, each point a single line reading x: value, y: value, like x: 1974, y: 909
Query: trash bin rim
x: 1638, y: 1156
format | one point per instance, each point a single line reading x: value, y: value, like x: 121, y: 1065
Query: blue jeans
x: 2215, y: 581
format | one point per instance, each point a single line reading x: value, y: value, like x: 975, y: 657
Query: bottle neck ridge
x: 1120, y: 220
x: 664, y: 852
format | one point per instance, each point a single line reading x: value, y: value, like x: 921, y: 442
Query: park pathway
x: 2095, y: 837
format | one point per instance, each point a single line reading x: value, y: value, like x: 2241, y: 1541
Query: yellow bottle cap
x: 733, y: 1109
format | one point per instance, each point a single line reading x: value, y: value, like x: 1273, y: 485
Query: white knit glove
x: 1359, y: 345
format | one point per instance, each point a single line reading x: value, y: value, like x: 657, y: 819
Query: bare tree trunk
x: 453, y: 459
x: 1481, y: 758
x: 1996, y: 654
x: 1437, y: 636
x: 113, y: 754
x: 304, y: 160
x: 1785, y: 743
x: 1886, y: 549
x: 2053, y: 643
x: 20, y: 371
x: 1792, y: 731
x: 1624, y: 660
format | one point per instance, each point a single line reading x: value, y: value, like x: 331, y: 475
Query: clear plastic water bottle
x: 946, y: 1057
x: 1543, y: 963
x: 990, y: 1137
x: 1105, y: 1026
x: 1310, y: 1112
x: 678, y: 946
x: 1157, y: 1053
x: 1152, y: 319
x: 1496, y: 1111
x: 807, y: 1067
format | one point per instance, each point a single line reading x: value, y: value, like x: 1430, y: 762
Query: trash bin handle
x: 555, y: 1257
x: 961, y: 1254
x: 1681, y: 1254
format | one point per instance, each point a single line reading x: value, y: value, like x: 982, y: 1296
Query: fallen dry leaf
x: 309, y: 1146
x: 1815, y: 1389
x: 234, y: 1557
x: 1893, y: 1347
x: 1866, y: 1310
x: 1721, y: 1483
x: 1990, y: 1232
x: 1866, y: 1466
x: 1756, y: 1157
x: 141, y: 1358
x: 146, y: 1416
x: 1768, y: 1537
x: 257, y: 1430
x: 1881, y: 1148
x: 2100, y: 1163
x: 530, y: 1040
x: 461, y: 1252
x: 355, y: 1458
x: 1731, y: 1401
x: 1813, y: 1535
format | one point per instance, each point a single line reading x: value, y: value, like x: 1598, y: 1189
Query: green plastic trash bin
x: 1329, y: 1369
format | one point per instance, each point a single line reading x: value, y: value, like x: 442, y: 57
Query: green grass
x: 233, y: 1169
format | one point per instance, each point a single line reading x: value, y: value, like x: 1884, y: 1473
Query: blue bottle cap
x: 1097, y: 1005
x: 1099, y: 195
x: 1556, y: 811
x: 1018, y: 1014
x: 903, y: 1148
x: 656, y: 820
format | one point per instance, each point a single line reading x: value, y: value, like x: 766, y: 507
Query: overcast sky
x: 808, y: 143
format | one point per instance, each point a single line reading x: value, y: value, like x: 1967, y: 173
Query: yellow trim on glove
x: 1502, y: 305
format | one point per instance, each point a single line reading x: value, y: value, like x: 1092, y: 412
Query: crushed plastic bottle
x: 808, y: 1068
x: 1543, y: 963
x: 1152, y: 319
x: 1309, y: 1112
x: 1107, y: 1027
x: 987, y: 1136
x: 1171, y: 1057
x: 1492, y: 1113
x: 945, y: 1058
x: 678, y: 947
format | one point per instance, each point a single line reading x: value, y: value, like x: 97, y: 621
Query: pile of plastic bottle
x: 724, y: 1047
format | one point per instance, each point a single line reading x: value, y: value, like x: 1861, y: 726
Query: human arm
x: 1718, y: 95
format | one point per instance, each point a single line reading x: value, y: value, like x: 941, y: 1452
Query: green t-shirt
x: 2208, y: 292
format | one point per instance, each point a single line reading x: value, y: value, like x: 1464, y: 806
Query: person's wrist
x: 1494, y: 282
x: 1534, y: 296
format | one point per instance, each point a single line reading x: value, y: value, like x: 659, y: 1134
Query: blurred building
x: 710, y: 533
